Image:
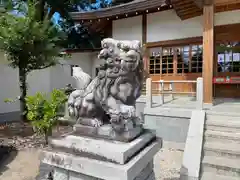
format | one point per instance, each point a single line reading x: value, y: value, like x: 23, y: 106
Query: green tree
x: 78, y: 36
x: 29, y: 45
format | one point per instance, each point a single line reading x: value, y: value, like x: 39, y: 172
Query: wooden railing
x: 163, y: 88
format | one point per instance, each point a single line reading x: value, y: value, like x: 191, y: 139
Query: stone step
x: 212, y: 176
x: 222, y: 117
x: 219, y: 149
x: 225, y: 126
x: 223, y: 137
x: 225, y: 114
x: 221, y: 166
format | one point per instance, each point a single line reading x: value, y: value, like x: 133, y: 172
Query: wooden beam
x: 192, y: 15
x: 144, y: 28
x: 189, y: 10
x: 208, y: 51
x: 199, y: 3
x: 176, y: 42
x: 229, y: 7
x: 226, y: 2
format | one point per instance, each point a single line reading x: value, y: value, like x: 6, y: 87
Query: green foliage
x: 44, y: 110
x: 29, y: 44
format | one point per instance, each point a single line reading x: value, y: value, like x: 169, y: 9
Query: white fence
x: 160, y: 90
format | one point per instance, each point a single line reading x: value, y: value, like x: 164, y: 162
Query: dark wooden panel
x: 227, y: 90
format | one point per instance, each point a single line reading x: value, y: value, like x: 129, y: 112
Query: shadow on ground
x: 7, y: 155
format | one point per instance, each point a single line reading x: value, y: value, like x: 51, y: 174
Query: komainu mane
x: 111, y: 96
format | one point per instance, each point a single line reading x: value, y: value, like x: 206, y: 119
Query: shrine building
x: 184, y: 39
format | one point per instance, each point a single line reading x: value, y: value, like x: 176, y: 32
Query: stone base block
x: 99, y: 149
x: 69, y: 166
x: 63, y: 174
x: 106, y: 132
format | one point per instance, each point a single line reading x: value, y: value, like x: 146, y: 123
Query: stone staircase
x: 221, y: 148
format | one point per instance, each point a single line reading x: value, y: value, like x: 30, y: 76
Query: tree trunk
x: 40, y: 10
x: 23, y: 93
x: 47, y: 133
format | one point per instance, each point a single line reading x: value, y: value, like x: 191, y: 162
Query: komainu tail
x: 82, y: 79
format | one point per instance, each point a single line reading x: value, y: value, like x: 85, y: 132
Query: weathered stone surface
x: 145, y: 172
x: 110, y: 97
x: 78, y: 176
x: 115, y: 146
x: 112, y: 151
x: 100, y: 169
x: 169, y: 128
x: 151, y: 176
x: 60, y: 174
x: 106, y: 132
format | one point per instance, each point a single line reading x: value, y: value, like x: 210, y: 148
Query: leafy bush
x: 44, y: 110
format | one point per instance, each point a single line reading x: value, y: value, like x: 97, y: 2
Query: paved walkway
x: 222, y: 105
x: 21, y: 166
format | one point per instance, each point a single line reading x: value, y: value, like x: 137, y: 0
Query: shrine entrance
x: 226, y: 81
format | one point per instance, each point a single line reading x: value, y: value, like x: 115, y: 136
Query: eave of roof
x: 128, y: 9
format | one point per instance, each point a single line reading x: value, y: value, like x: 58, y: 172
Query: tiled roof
x: 127, y: 8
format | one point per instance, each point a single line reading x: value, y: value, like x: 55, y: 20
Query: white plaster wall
x: 228, y: 17
x: 39, y: 81
x: 9, y: 85
x: 61, y: 74
x: 128, y: 29
x: 167, y: 25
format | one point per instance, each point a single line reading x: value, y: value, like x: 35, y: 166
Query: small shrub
x: 44, y: 111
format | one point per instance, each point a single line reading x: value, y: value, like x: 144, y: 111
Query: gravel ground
x: 167, y: 164
x: 25, y: 165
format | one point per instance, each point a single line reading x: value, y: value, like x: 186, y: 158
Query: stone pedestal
x: 87, y: 158
x: 66, y: 118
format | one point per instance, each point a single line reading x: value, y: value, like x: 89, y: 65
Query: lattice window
x: 229, y: 57
x: 183, y: 56
x: 154, y: 61
x: 167, y: 60
x: 197, y: 59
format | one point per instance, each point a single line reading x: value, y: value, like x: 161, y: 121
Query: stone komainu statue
x: 111, y: 96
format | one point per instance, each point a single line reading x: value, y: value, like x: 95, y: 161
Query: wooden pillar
x: 144, y: 28
x: 144, y: 41
x: 208, y: 50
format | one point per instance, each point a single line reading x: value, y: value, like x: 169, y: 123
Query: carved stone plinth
x: 108, y: 142
x: 107, y: 132
x: 86, y: 158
